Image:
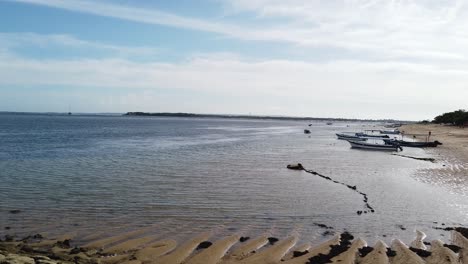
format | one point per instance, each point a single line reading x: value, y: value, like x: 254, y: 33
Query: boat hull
x: 368, y: 146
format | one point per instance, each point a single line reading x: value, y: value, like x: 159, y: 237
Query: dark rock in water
x: 454, y: 248
x: 76, y: 250
x: 37, y: 236
x: 63, y: 244
x: 243, y: 239
x: 297, y: 166
x: 401, y: 227
x: 359, y: 212
x: 323, y: 226
x: 444, y: 228
x: 426, y: 243
x: 7, y: 228
x: 272, y: 240
x: 299, y: 253
x: 9, y: 238
x: 306, y: 131
x: 421, y: 252
x: 365, y: 250
x: 327, y: 233
x: 346, y: 236
x: 463, y: 231
x: 390, y: 252
x: 204, y: 244
x: 15, y: 211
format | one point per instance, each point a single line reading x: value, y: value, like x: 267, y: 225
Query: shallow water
x: 90, y: 173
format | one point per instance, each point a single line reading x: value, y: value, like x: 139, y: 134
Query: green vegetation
x: 457, y: 118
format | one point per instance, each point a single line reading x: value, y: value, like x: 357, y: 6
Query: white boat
x: 390, y: 132
x: 373, y: 146
x: 364, y: 135
x: 350, y: 137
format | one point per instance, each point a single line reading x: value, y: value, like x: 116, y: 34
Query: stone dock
x: 138, y: 247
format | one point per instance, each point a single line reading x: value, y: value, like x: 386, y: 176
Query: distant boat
x: 373, y: 146
x: 344, y: 136
x: 393, y: 125
x: 413, y: 144
x: 390, y: 132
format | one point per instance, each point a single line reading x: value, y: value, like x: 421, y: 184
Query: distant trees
x: 458, y: 118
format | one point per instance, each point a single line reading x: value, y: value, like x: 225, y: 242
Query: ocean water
x: 185, y: 176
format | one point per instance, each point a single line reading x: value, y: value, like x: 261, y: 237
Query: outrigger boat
x: 364, y: 135
x: 350, y: 137
x: 413, y: 144
x: 390, y: 132
x: 372, y: 146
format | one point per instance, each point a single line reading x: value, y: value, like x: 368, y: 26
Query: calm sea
x: 88, y: 173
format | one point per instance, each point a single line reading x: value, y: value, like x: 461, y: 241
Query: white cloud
x: 317, y: 89
x: 10, y: 41
x: 377, y: 29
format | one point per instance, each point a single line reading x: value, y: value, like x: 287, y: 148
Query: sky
x: 400, y: 59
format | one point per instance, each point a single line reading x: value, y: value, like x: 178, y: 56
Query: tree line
x: 457, y: 118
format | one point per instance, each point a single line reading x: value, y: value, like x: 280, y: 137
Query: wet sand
x: 140, y: 247
x: 452, y: 155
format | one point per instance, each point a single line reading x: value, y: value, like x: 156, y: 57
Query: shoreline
x: 138, y: 247
x: 452, y: 155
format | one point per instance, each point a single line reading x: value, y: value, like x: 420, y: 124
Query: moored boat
x: 364, y: 135
x: 372, y: 146
x: 350, y: 137
x: 390, y: 132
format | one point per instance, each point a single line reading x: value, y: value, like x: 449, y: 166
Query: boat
x: 413, y: 144
x: 364, y: 135
x: 393, y: 125
x: 373, y: 146
x: 390, y: 132
x: 350, y: 137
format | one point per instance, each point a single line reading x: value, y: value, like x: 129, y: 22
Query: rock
x: 272, y: 240
x: 15, y: 211
x: 297, y: 166
x: 63, y: 244
x: 204, y: 244
x: 243, y: 239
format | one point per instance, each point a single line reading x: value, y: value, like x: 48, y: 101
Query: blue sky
x: 356, y: 59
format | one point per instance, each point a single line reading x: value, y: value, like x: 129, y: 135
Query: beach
x: 137, y: 247
x: 452, y: 155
